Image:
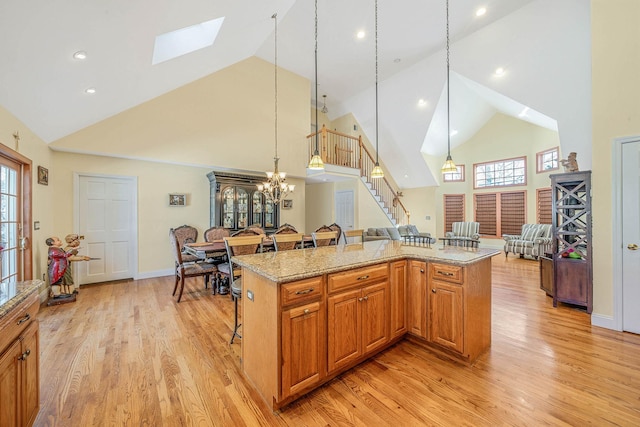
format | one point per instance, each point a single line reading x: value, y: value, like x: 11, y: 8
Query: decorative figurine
x: 570, y: 164
x: 59, y: 267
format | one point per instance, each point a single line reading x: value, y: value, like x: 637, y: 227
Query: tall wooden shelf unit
x: 573, y: 277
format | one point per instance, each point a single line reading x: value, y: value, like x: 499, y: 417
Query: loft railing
x: 340, y: 149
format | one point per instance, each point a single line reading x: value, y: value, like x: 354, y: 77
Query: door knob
x: 632, y: 246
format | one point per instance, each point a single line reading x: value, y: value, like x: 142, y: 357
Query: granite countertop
x: 13, y: 293
x: 287, y: 266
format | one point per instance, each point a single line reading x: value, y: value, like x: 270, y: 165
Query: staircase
x: 348, y: 151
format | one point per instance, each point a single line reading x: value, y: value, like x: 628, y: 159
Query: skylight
x: 185, y: 40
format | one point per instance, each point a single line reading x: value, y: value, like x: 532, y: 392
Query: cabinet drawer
x: 358, y: 277
x: 17, y: 320
x: 301, y: 291
x: 450, y: 273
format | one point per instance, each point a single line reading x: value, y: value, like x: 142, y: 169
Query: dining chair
x: 211, y: 235
x: 243, y: 245
x: 287, y: 241
x: 354, y: 235
x: 324, y: 238
x: 187, y: 269
x: 186, y: 234
x: 336, y: 227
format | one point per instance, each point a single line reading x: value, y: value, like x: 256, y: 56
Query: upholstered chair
x: 184, y: 269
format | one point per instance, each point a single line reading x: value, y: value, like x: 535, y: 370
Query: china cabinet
x: 236, y: 203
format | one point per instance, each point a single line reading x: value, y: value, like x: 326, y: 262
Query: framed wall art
x: 43, y: 175
x: 287, y: 204
x: 177, y: 200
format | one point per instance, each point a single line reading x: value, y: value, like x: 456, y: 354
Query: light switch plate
x: 249, y: 295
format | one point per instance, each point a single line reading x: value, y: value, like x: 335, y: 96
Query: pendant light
x: 376, y: 172
x: 316, y: 162
x: 276, y: 188
x: 325, y: 110
x: 448, y: 166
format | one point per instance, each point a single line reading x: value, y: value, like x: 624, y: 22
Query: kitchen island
x: 309, y: 315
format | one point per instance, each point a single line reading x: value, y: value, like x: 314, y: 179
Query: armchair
x: 464, y: 233
x: 534, y: 240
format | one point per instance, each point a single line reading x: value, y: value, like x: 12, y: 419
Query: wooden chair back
x: 353, y: 236
x: 287, y: 241
x: 324, y: 238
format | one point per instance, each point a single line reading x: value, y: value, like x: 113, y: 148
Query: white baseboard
x: 157, y: 273
x: 603, y: 321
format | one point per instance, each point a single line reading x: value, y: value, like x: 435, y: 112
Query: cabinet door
x: 417, y: 298
x: 343, y: 327
x: 228, y: 207
x: 375, y: 320
x: 397, y: 284
x: 302, y: 348
x: 30, y: 374
x: 445, y: 315
x: 242, y: 208
x: 256, y: 208
x: 10, y: 384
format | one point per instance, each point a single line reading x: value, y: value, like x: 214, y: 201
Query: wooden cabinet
x: 573, y: 274
x: 236, y: 202
x: 19, y: 365
x: 357, y: 318
x: 417, y: 298
x: 459, y: 315
x: 303, y: 335
x: 546, y: 274
x: 398, y: 298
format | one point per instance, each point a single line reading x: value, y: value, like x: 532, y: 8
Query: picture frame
x: 177, y: 199
x: 43, y: 175
x: 287, y: 204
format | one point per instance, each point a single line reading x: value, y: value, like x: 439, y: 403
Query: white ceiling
x: 43, y: 86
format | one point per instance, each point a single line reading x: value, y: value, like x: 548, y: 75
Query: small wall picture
x: 177, y: 200
x: 287, y: 204
x: 43, y: 175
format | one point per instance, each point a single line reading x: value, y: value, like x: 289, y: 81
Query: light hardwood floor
x: 127, y: 354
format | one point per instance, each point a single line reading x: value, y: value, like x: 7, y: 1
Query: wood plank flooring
x: 126, y: 354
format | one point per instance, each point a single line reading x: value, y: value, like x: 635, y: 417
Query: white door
x: 345, y: 216
x: 631, y: 237
x: 107, y: 218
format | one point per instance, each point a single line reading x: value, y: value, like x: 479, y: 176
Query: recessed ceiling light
x: 397, y: 60
x: 453, y: 132
x: 422, y: 103
x: 360, y: 34
x: 406, y: 176
x: 90, y: 90
x: 185, y: 40
x: 500, y: 71
x: 481, y: 11
x: 81, y: 54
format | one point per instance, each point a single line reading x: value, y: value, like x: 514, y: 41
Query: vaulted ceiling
x: 542, y: 45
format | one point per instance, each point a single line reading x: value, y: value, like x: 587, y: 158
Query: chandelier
x: 276, y: 188
x: 377, y: 172
x: 316, y: 163
x: 448, y: 166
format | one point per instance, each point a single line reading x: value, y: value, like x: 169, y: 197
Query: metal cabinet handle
x: 360, y: 299
x: 433, y: 290
x: 306, y: 291
x: 366, y: 298
x: 306, y: 311
x: 25, y: 355
x: 363, y: 277
x: 422, y: 270
x: 24, y: 319
x: 445, y: 273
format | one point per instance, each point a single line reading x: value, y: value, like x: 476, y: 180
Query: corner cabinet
x: 572, y: 254
x: 236, y: 203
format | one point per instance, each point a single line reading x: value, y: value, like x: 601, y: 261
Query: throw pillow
x: 530, y: 233
x: 413, y: 230
x: 393, y: 233
x: 382, y: 232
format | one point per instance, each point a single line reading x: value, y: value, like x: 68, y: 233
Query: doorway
x: 345, y: 216
x: 106, y: 217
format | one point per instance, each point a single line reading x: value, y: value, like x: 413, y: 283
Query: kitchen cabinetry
x: 446, y: 307
x: 572, y: 254
x: 417, y: 298
x: 236, y: 202
x: 358, y: 318
x: 398, y: 298
x: 303, y: 333
x: 19, y: 365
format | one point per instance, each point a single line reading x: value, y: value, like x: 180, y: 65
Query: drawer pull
x: 366, y: 298
x: 303, y: 292
x: 422, y: 270
x: 306, y: 311
x: 360, y: 299
x: 25, y: 355
x: 433, y: 290
x: 363, y: 277
x: 445, y: 273
x: 24, y: 319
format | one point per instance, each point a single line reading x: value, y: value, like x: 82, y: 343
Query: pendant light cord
x: 448, y: 102
x: 376, y: 39
x: 316, y: 74
x: 275, y: 19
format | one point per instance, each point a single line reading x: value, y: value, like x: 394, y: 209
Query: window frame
x: 496, y: 162
x: 459, y: 170
x: 540, y: 161
x: 498, y: 210
x: 463, y: 196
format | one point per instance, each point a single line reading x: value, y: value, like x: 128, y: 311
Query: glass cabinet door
x: 228, y: 211
x: 257, y: 208
x: 269, y: 215
x: 243, y: 208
